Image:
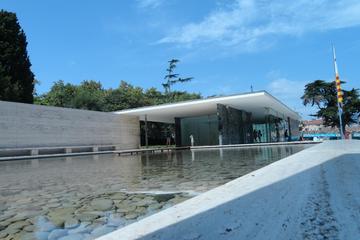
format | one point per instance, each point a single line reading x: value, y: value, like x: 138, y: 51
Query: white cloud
x: 149, y: 3
x: 249, y: 24
x: 290, y: 92
x: 286, y: 89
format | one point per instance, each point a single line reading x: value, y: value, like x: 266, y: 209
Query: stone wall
x: 27, y: 125
x: 234, y: 125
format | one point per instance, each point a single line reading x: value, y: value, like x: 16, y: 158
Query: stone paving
x: 87, y: 218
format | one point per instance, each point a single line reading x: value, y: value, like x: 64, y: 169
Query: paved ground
x: 314, y: 194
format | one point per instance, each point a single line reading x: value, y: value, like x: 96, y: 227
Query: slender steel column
x: 146, y: 132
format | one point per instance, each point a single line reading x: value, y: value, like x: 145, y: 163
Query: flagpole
x: 339, y: 94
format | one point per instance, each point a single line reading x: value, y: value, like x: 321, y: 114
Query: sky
x: 227, y: 46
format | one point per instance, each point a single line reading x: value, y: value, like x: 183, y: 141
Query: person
x: 286, y: 135
x: 168, y: 137
x: 259, y: 135
x: 192, y: 142
x: 255, y: 136
x: 301, y: 138
x: 277, y: 133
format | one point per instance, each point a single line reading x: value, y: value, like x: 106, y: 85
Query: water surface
x: 40, y: 198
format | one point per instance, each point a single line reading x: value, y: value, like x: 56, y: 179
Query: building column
x: 146, y: 132
x: 178, y: 132
x: 289, y: 127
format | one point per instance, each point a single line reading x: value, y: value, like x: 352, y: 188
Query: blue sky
x: 227, y: 46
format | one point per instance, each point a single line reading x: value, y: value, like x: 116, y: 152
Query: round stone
x: 57, y: 233
x: 59, y: 215
x: 71, y: 223
x: 75, y: 236
x: 18, y: 225
x: 83, y: 228
x: 101, y: 204
x: 140, y: 210
x: 3, y: 234
x: 29, y: 228
x: 131, y: 216
x: 87, y: 216
x: 118, y: 196
x: 163, y: 197
x: 97, y: 232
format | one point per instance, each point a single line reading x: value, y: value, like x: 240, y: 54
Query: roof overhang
x: 259, y: 104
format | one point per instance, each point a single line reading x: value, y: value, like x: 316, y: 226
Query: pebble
x: 76, y: 236
x: 101, y: 231
x: 85, y: 218
x: 118, y: 196
x: 29, y: 228
x: 18, y: 225
x: 163, y: 197
x: 131, y: 216
x: 57, y: 233
x: 3, y: 234
x: 102, y: 204
x: 41, y: 235
x: 83, y: 228
x: 71, y: 223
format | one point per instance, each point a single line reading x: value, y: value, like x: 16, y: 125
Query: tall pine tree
x: 16, y: 79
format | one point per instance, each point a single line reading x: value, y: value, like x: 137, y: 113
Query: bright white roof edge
x: 252, y: 102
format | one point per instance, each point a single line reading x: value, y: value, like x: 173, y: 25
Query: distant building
x: 316, y: 128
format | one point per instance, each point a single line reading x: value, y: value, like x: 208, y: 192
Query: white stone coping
x: 312, y: 194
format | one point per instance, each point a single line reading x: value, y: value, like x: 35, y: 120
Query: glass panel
x: 204, y: 130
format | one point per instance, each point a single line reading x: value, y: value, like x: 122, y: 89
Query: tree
x: 324, y: 96
x: 124, y: 97
x: 16, y: 79
x: 60, y: 95
x: 89, y: 95
x: 171, y: 77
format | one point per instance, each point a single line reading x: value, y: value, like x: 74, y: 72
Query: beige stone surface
x: 27, y: 125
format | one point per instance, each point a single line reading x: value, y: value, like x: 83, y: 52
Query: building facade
x: 235, y: 119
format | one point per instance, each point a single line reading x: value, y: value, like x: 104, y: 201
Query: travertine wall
x: 27, y: 125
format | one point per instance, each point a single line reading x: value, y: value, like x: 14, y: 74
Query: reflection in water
x: 195, y: 170
x: 35, y: 187
x: 201, y: 170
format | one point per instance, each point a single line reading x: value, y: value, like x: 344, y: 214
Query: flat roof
x: 259, y: 104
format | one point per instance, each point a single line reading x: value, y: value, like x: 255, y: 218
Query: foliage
x: 91, y: 95
x: 323, y: 95
x: 171, y: 77
x: 16, y: 79
x: 60, y: 95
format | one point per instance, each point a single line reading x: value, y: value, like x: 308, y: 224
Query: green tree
x: 90, y: 95
x: 323, y: 95
x: 60, y: 95
x: 171, y: 77
x: 124, y: 97
x: 16, y: 79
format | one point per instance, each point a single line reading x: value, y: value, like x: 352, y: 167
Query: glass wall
x: 261, y: 133
x: 234, y: 126
x: 204, y: 130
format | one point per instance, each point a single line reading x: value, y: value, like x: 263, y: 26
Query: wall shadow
x: 306, y: 205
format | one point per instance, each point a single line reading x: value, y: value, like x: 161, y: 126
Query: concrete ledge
x: 45, y: 152
x: 68, y: 151
x: 254, y: 144
x: 313, y: 194
x: 53, y: 155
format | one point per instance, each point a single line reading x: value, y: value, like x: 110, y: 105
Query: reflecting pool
x: 86, y: 197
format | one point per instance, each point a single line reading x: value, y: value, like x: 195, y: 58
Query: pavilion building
x: 225, y: 120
